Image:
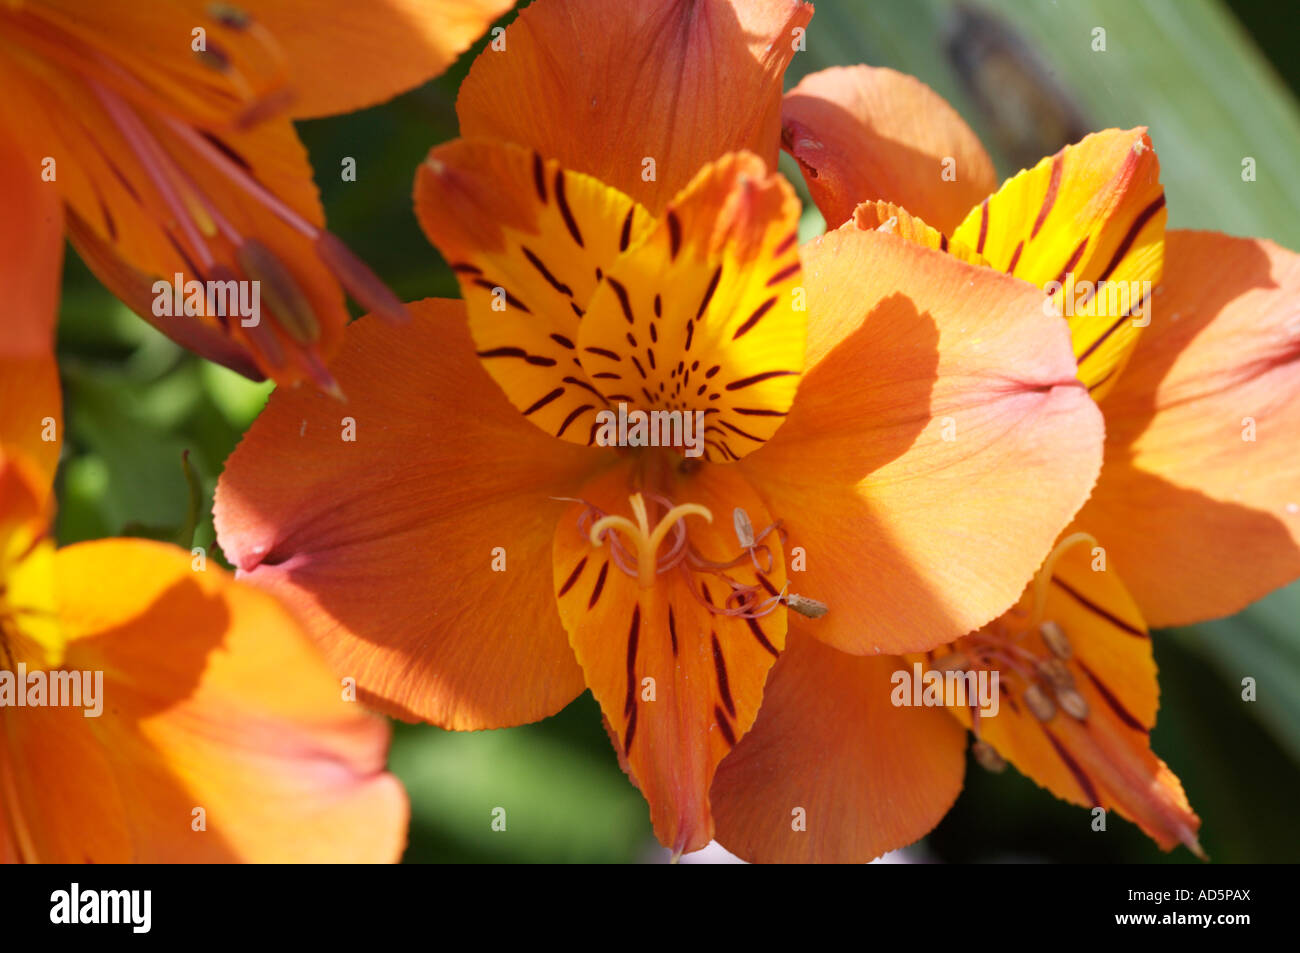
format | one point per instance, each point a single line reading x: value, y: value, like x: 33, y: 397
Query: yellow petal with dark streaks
x: 1078, y: 694
x: 529, y: 242
x: 708, y: 314
x: 1087, y: 225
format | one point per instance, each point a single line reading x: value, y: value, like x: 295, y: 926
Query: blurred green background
x: 1214, y: 82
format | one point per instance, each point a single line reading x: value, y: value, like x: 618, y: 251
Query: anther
x: 1073, y: 704
x: 744, y: 528
x: 1055, y: 640
x: 285, y: 297
x: 1056, y: 672
x: 953, y: 662
x: 810, y: 608
x: 987, y: 757
x: 1039, y: 703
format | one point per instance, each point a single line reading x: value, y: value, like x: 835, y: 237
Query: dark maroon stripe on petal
x: 674, y: 234
x: 762, y: 639
x: 637, y: 364
x: 626, y: 235
x: 612, y: 355
x: 1053, y: 186
x: 579, y: 382
x: 786, y: 244
x: 554, y: 282
x: 1122, y: 713
x: 759, y: 412
x: 561, y: 340
x: 573, y: 577
x: 631, y: 733
x: 574, y: 415
x: 672, y: 629
x: 566, y: 213
x: 465, y: 268
x: 758, y: 379
x: 736, y: 430
x: 724, y: 726
x: 543, y: 401
x: 1074, y: 260
x: 1015, y: 257
x: 724, y: 689
x: 1138, y: 224
x: 1098, y: 610
x: 984, y: 225
x: 708, y: 292
x: 520, y: 353
x: 539, y: 177
x: 1085, y: 782
x: 510, y: 299
x: 600, y: 585
x: 1119, y: 322
x: 754, y: 318
x: 633, y: 636
x: 783, y: 274
x: 623, y: 301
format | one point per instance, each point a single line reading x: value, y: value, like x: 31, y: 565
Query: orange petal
x: 1087, y: 225
x: 1099, y: 753
x: 938, y: 444
x: 887, y: 217
x: 31, y: 413
x: 387, y: 544
x: 678, y: 683
x: 715, y: 291
x: 529, y: 242
x: 1199, y: 499
x: 31, y: 255
x: 645, y: 100
x: 343, y: 57
x: 211, y: 698
x: 832, y: 772
x: 865, y: 133
x: 228, y: 75
x: 150, y: 197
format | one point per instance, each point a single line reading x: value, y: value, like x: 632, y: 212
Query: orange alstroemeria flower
x: 473, y: 555
x: 194, y: 721
x: 1196, y: 513
x: 166, y: 129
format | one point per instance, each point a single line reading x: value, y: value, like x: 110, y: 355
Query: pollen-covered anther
x: 1056, y: 672
x: 1040, y: 703
x: 988, y: 757
x: 1054, y: 638
x: 1072, y: 703
x: 806, y: 607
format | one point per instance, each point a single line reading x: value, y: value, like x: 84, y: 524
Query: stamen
x: 647, y: 540
x: 809, y: 608
x: 1039, y: 703
x: 1044, y: 576
x: 1054, y: 637
x: 987, y: 757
